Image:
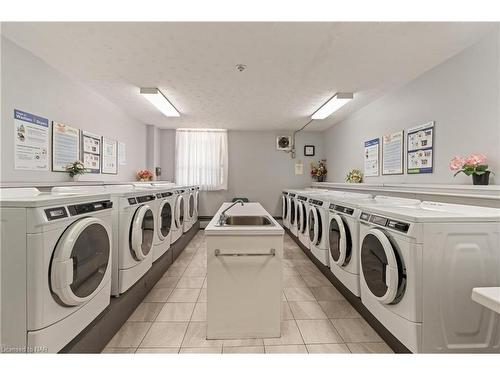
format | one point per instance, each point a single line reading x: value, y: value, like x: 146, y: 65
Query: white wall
x: 256, y: 169
x: 461, y: 95
x: 30, y: 85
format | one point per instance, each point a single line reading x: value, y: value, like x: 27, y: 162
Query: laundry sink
x: 248, y: 220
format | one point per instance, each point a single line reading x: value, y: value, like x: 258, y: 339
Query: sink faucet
x: 223, y: 217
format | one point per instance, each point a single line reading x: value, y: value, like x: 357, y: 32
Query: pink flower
x: 456, y: 163
x: 475, y: 160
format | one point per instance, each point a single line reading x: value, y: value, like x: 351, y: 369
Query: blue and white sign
x: 31, y: 141
x: 420, y: 149
x: 371, y: 157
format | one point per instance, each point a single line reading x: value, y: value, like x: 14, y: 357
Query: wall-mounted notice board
x: 65, y: 146
x: 109, y: 156
x: 91, y: 151
x: 371, y: 157
x: 392, y: 153
x: 420, y: 156
x: 31, y: 141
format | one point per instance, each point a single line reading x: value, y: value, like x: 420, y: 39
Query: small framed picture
x: 309, y: 150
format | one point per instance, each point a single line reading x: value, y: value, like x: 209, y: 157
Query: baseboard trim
x: 355, y: 301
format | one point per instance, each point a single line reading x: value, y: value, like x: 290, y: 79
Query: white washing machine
x: 178, y: 223
x: 133, y: 232
x: 418, y: 267
x: 343, y: 234
x: 285, y: 208
x: 56, y: 267
x: 300, y: 210
x: 196, y: 203
x: 189, y: 207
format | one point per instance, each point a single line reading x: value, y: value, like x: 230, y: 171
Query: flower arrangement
x: 319, y: 171
x: 354, y: 176
x: 75, y: 169
x: 145, y: 175
x: 474, y: 165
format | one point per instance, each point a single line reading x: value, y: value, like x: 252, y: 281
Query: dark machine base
x: 102, y: 329
x: 355, y: 301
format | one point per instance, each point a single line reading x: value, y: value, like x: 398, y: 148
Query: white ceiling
x: 293, y: 68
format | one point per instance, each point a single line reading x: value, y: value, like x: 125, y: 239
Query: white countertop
x: 248, y: 209
x: 488, y: 297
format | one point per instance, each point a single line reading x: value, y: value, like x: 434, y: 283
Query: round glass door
x: 298, y: 219
x: 339, y: 238
x: 179, y: 214
x: 292, y: 212
x: 311, y: 224
x: 284, y: 202
x: 142, y: 232
x: 191, y: 205
x: 165, y: 220
x: 382, y: 267
x: 303, y: 218
x: 80, y: 261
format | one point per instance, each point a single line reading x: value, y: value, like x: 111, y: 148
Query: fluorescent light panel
x: 160, y: 101
x: 335, y: 103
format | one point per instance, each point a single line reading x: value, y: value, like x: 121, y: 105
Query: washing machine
x: 317, y: 223
x: 285, y: 208
x: 56, y: 267
x: 189, y: 207
x: 343, y: 234
x: 133, y: 231
x: 196, y: 203
x: 179, y: 211
x: 418, y: 267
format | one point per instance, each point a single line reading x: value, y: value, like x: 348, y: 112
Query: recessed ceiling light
x: 333, y: 104
x: 160, y: 101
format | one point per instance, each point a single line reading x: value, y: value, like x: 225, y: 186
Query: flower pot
x: 481, y: 179
x: 321, y: 178
x: 75, y: 178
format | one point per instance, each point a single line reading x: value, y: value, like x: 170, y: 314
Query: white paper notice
x: 109, y: 155
x: 122, y: 154
x: 420, y: 148
x: 91, y: 152
x: 372, y: 157
x: 65, y: 146
x: 299, y: 168
x: 392, y: 153
x: 31, y: 141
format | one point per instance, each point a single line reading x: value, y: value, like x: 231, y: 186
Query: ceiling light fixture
x: 160, y: 101
x: 333, y: 104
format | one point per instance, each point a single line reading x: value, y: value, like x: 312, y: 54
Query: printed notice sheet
x: 31, y: 141
x: 109, y: 156
x: 372, y: 157
x: 65, y: 146
x: 91, y: 151
x: 122, y: 154
x: 392, y: 153
x: 420, y: 148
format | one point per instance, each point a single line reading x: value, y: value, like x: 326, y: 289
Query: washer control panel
x: 400, y: 226
x: 344, y: 210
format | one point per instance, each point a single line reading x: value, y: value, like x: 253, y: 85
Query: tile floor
x: 316, y: 318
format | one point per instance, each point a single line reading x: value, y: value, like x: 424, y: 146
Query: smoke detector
x: 241, y: 67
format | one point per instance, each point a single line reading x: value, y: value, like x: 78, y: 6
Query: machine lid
x: 80, y: 261
x: 381, y: 267
x: 340, y: 240
x: 142, y: 232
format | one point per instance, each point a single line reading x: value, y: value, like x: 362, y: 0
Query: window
x: 201, y: 158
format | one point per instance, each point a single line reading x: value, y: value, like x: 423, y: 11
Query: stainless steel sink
x: 248, y: 220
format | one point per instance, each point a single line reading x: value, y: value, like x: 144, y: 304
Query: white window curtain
x: 201, y: 158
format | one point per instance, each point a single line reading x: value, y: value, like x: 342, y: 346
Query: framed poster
x: 91, y: 151
x: 392, y: 153
x: 309, y: 150
x: 109, y: 156
x: 371, y: 157
x: 31, y: 142
x: 65, y: 146
x: 122, y: 153
x: 420, y: 158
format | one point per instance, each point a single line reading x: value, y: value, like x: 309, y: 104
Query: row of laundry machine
x: 412, y: 263
x: 64, y: 252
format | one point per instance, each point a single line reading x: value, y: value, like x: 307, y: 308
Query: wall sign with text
x: 65, y: 146
x: 420, y: 149
x: 91, y: 152
x: 371, y: 157
x: 392, y: 153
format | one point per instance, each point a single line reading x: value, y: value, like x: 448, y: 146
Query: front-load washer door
x: 179, y: 212
x: 292, y: 212
x: 142, y: 232
x: 80, y: 261
x: 315, y: 227
x: 298, y: 217
x: 381, y: 266
x: 339, y: 237
x: 303, y: 218
x: 284, y: 202
x: 196, y: 201
x: 164, y: 219
x: 191, y: 206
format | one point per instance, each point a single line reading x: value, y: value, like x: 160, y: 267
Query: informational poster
x: 65, y: 146
x: 31, y: 141
x: 372, y: 157
x: 91, y: 151
x: 392, y: 153
x: 109, y: 156
x: 122, y: 154
x: 420, y: 149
